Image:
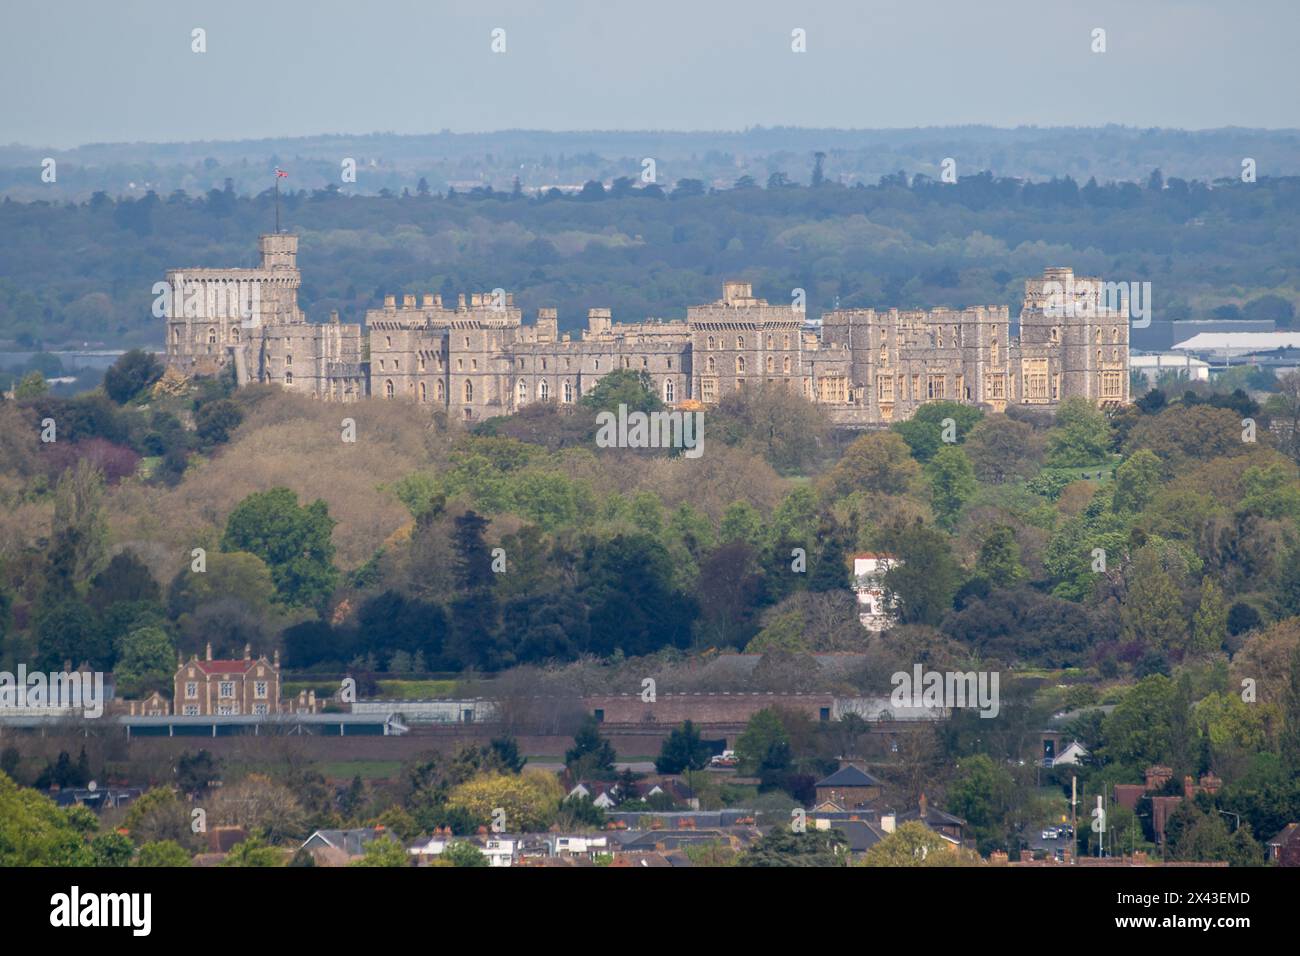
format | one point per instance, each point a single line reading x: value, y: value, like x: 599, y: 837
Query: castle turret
x: 279, y: 251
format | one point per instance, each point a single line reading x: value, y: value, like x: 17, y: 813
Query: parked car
x: 1051, y: 833
x: 727, y: 758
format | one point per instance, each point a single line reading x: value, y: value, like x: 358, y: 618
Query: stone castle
x: 477, y: 359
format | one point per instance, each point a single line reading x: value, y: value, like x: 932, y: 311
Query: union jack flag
x: 280, y: 173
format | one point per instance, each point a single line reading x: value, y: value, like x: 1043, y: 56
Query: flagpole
x: 277, y: 202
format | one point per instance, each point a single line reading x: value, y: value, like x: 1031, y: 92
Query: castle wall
x: 478, y: 359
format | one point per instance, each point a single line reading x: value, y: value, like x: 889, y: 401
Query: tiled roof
x: 849, y: 776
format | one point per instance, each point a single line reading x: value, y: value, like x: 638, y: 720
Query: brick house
x: 205, y: 688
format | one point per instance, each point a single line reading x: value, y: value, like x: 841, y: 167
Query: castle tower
x: 279, y: 251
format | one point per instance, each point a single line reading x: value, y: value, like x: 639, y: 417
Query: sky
x: 83, y: 71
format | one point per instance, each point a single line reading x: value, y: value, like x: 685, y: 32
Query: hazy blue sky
x: 103, y: 70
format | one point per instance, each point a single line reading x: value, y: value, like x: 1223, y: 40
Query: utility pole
x: 1074, y: 832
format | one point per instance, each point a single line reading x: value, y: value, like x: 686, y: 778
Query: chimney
x: 924, y: 807
x: 390, y: 302
x: 208, y: 652
x: 276, y: 660
x: 248, y: 652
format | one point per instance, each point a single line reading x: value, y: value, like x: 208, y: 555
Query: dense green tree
x: 131, y: 374
x: 591, y: 754
x: 781, y: 846
x: 1080, y: 436
x: 925, y: 432
x: 292, y: 540
x: 683, y: 750
x: 952, y: 484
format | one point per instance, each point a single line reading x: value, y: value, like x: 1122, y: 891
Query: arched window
x: 785, y: 365
x: 176, y: 336
x: 543, y: 390
x: 212, y: 336
x: 422, y: 362
x: 388, y: 388
x: 568, y: 393
x: 670, y: 391
x: 1114, y: 336
x: 1098, y: 356
x: 288, y: 378
x: 769, y: 339
x: 710, y: 365
x: 388, y: 341
x: 441, y: 392
x: 234, y: 335
x: 469, y: 391
x: 522, y: 391
x: 627, y: 362
x: 740, y: 341
x: 1055, y: 335
x: 771, y: 364
x: 424, y: 393
x: 740, y: 364
x: 785, y: 341
x: 543, y: 364
x: 711, y: 342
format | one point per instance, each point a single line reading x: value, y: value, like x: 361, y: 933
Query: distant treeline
x: 84, y: 272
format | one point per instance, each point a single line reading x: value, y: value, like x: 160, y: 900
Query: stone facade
x: 478, y: 359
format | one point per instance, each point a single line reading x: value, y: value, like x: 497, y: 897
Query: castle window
x: 1112, y: 385
x: 769, y: 339
x: 670, y: 363
x: 543, y: 390
x: 212, y: 336
x: 669, y: 391
x: 396, y: 365
x: 785, y: 341
x: 388, y: 388
x: 521, y: 363
x: 597, y: 365
x: 288, y: 378
x: 522, y: 392
x: 993, y: 357
x: 1114, y: 336
x: 469, y: 391
x: 543, y: 365
x: 740, y: 341
x: 234, y: 335
x: 645, y: 363
x: 176, y: 336
x: 710, y: 365
x: 885, y: 389
x: 473, y: 364
x: 884, y: 357
x: 627, y: 363
x: 711, y: 342
x: 568, y: 393
x: 388, y: 341
x: 440, y: 392
x: 382, y: 366
x: 708, y: 389
x: 1055, y: 335
x: 460, y: 365
x: 785, y: 365
x: 740, y: 364
x: 422, y: 363
x: 771, y: 364
x: 1098, y: 356
x: 467, y: 341
x: 424, y: 395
